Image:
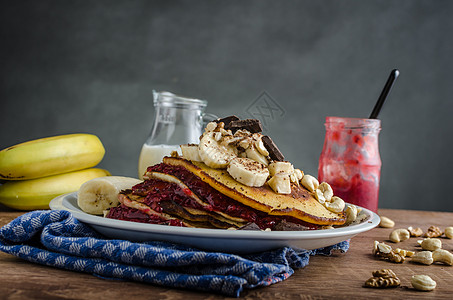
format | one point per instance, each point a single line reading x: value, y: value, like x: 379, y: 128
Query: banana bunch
x: 37, y: 171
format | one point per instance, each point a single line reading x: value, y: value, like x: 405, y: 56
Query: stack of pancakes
x: 180, y: 192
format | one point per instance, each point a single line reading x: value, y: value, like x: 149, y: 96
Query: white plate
x: 233, y: 241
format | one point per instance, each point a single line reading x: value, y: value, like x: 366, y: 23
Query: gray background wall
x: 91, y: 66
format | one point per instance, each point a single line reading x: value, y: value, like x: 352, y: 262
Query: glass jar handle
x: 206, y: 118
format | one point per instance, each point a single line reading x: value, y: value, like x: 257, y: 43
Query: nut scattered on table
x: 384, y: 278
x: 423, y: 283
x: 449, y: 232
x: 443, y: 256
x: 433, y: 232
x: 415, y: 232
x: 386, y: 222
x: 385, y: 251
x: 405, y: 253
x: 399, y: 235
x: 430, y: 244
x: 381, y: 248
x: 384, y: 273
x: 423, y: 257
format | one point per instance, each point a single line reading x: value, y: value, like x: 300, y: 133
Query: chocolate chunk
x: 249, y: 226
x: 227, y: 120
x: 274, y: 152
x: 252, y: 125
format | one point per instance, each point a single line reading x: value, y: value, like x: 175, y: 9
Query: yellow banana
x: 50, y: 156
x: 36, y: 193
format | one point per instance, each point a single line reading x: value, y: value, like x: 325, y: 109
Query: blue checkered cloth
x: 57, y: 239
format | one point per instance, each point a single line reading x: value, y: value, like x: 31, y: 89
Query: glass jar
x: 177, y: 120
x: 350, y: 160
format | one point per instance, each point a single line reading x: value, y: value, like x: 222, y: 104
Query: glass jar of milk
x: 177, y: 120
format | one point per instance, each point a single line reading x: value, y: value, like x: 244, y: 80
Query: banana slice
x: 190, y: 152
x: 281, y: 167
x: 260, y: 147
x: 280, y: 183
x: 248, y: 172
x: 99, y: 194
x: 254, y: 154
x: 213, y: 153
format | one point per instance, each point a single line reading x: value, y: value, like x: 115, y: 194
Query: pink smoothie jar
x: 350, y: 160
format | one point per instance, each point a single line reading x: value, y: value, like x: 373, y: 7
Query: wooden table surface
x: 340, y: 276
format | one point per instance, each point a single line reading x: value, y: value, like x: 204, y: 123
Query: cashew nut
x: 211, y: 126
x: 381, y: 247
x: 337, y: 205
x: 399, y: 235
x: 384, y: 248
x: 385, y: 251
x: 310, y: 182
x: 299, y: 174
x: 320, y: 196
x: 386, y: 222
x: 423, y: 283
x: 326, y: 190
x: 423, y: 257
x: 375, y: 247
x: 351, y: 214
x: 443, y: 256
x: 449, y: 232
x: 405, y: 253
x: 431, y: 244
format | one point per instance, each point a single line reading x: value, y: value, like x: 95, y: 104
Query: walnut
x: 395, y: 257
x: 384, y: 273
x: 433, y: 231
x: 415, y: 232
x: 385, y: 251
x: 382, y: 282
x: 384, y: 278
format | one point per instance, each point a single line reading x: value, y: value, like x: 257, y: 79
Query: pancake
x: 169, y: 200
x: 300, y: 204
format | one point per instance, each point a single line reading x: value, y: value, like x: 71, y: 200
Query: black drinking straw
x: 385, y: 91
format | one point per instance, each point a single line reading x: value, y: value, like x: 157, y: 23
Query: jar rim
x: 168, y: 98
x: 351, y: 123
